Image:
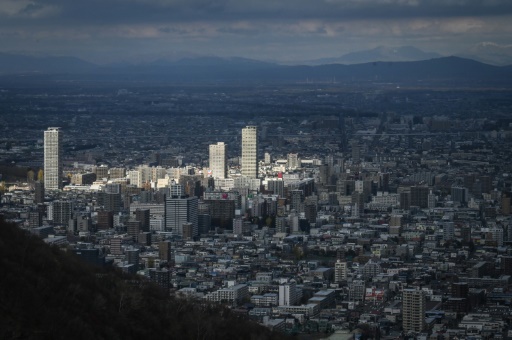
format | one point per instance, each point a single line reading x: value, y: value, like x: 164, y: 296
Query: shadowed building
x: 179, y: 211
x: 413, y: 310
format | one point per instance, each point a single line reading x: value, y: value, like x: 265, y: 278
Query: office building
x: 179, y: 211
x: 419, y: 196
x: 276, y: 186
x: 356, y: 290
x: 310, y: 211
x: 204, y: 222
x: 233, y: 294
x: 145, y: 238
x: 79, y: 223
x: 110, y: 201
x: 405, y: 200
x: 297, y: 200
x: 268, y: 158
x: 116, y: 247
x: 413, y: 310
x: 112, y: 188
x: 356, y: 152
x: 496, y: 234
x: 448, y: 231
x: 39, y: 192
x: 432, y: 200
x: 52, y: 159
x: 340, y: 271
x: 162, y: 277
x: 176, y: 190
x: 164, y: 251
x: 105, y: 219
x: 222, y: 212
x: 35, y: 219
x: 506, y: 265
x: 83, y: 179
x: 288, y: 294
x: 371, y: 269
x: 293, y: 161
x: 117, y: 173
x: 135, y: 178
x: 188, y: 231
x: 61, y: 212
x: 218, y: 160
x: 460, y: 289
x: 142, y: 215
x: 132, y: 257
x: 133, y: 229
x: 90, y: 255
x: 101, y: 171
x: 250, y: 151
x: 459, y: 194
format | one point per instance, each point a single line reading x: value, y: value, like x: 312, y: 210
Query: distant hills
x: 485, y: 52
x: 381, y: 53
x: 433, y: 69
x: 15, y: 64
x: 489, y: 53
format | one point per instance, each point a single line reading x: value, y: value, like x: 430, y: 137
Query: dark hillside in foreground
x: 48, y: 294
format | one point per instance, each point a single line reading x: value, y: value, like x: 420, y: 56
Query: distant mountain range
x: 485, y: 52
x: 431, y: 68
x: 489, y: 53
x: 381, y: 53
x: 15, y: 64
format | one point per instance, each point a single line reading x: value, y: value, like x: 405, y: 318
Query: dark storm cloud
x: 108, y: 12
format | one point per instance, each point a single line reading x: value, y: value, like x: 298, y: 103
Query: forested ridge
x: 46, y: 293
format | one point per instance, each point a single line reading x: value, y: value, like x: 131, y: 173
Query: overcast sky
x: 286, y: 30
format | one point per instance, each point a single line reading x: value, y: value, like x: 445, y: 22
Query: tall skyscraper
x: 52, y: 159
x: 250, y: 151
x: 413, y: 310
x: 218, y: 160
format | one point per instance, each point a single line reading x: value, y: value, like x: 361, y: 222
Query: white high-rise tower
x: 250, y: 151
x: 218, y: 160
x: 52, y: 159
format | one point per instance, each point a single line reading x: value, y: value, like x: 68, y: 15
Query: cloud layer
x: 283, y: 29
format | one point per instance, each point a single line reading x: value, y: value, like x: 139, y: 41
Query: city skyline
x: 137, y: 30
x: 357, y: 206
